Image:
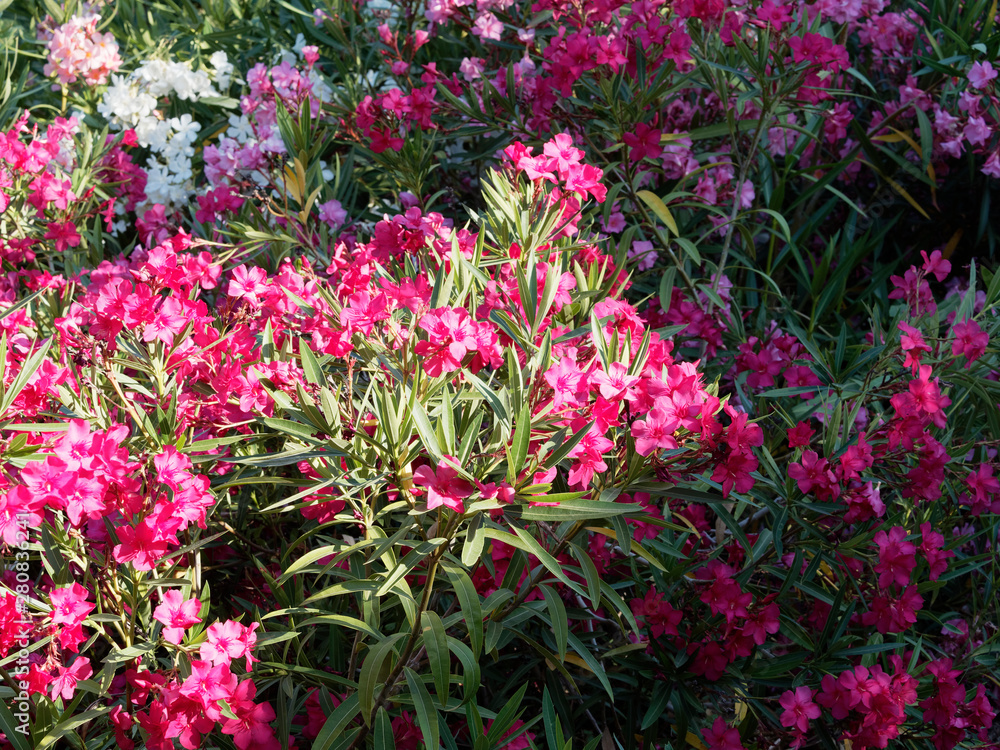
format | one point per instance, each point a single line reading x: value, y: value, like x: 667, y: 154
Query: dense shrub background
x: 499, y: 374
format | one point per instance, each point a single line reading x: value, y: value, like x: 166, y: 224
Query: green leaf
x: 517, y: 451
x: 373, y: 671
x: 438, y: 654
x: 427, y: 715
x: 553, y: 728
x: 30, y: 366
x: 68, y: 725
x: 666, y: 287
x: 468, y: 600
x: 9, y: 726
x: 660, y: 209
x: 502, y: 412
x: 472, y: 550
x: 563, y: 449
x: 310, y: 365
x: 560, y: 622
x: 524, y: 541
x: 506, y: 716
x: 634, y: 546
x: 335, y: 724
x: 576, y: 510
x: 382, y: 732
x: 413, y: 558
x: 424, y: 429
x: 470, y: 664
x: 590, y: 573
x: 295, y: 429
x: 308, y: 559
x: 344, y: 620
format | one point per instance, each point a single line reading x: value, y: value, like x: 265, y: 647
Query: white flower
x: 155, y: 75
x: 185, y: 128
x: 124, y: 104
x: 320, y: 89
x: 223, y: 69
x: 240, y: 129
x: 152, y: 133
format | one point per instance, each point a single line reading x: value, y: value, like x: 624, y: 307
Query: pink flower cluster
x: 76, y: 49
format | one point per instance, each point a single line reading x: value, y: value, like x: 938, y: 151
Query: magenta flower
x: 444, y: 487
x: 721, y: 736
x: 896, y: 557
x: 177, y: 614
x: 64, y: 684
x: 980, y: 75
x: 970, y: 340
x: 799, y: 708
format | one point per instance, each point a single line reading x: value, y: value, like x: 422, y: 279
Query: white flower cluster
x: 132, y: 102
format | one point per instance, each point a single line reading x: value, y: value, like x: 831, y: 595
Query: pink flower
x: 986, y: 487
x: 976, y: 131
x: 980, y: 74
x: 774, y: 13
x: 310, y: 53
x: 991, y: 167
x: 912, y: 341
x: 122, y: 722
x: 64, y: 234
x: 487, y: 26
x: 657, y: 614
x: 897, y: 557
x: 76, y: 49
x: 932, y: 548
x: 70, y: 605
x: 177, y: 614
x: 734, y: 472
x: 800, y: 435
x: 814, y: 472
x: 172, y: 467
x: 890, y: 615
x: 444, y: 487
x: 207, y: 683
x: 247, y: 283
x: 645, y: 141
x: 799, y: 708
x: 332, y: 213
x: 721, y: 736
x: 229, y: 640
x: 363, y: 311
x: 64, y: 684
x: 145, y: 544
x: 451, y: 334
x: 970, y: 340
x: 709, y: 11
x: 589, y: 455
x: 926, y: 394
x: 472, y: 68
